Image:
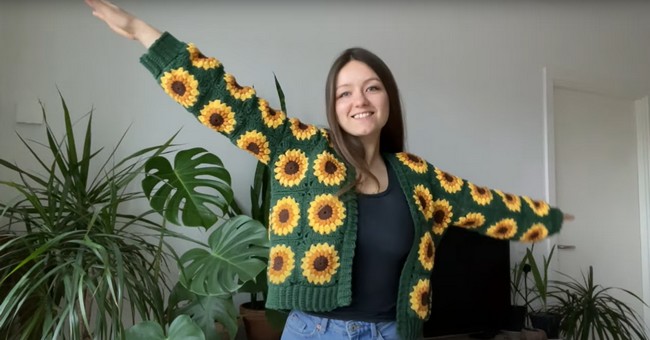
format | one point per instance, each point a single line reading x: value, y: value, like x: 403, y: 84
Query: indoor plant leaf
x: 182, y: 328
x: 238, y: 250
x: 188, y: 187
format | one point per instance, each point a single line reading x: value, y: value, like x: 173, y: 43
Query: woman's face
x: 361, y: 101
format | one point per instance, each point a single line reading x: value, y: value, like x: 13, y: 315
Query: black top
x: 384, y: 238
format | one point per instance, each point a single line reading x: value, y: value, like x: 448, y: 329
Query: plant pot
x: 256, y: 325
x: 516, y: 318
x: 548, y: 322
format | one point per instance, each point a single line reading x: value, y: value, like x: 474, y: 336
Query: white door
x: 597, y: 181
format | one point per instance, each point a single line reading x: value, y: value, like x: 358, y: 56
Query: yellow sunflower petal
x: 540, y: 208
x: 281, y: 263
x: 442, y: 214
x: 181, y: 86
x: 291, y: 167
x: 320, y: 263
x: 326, y: 214
x: 480, y: 195
x: 328, y: 169
x: 414, y: 163
x: 450, y: 183
x: 236, y: 90
x: 423, y: 200
x: 284, y: 216
x: 302, y: 131
x: 218, y: 116
x: 420, y: 298
x: 535, y: 233
x: 426, y: 251
x: 271, y: 118
x: 512, y: 202
x: 199, y: 60
x: 503, y: 230
x: 255, y: 143
x: 471, y: 221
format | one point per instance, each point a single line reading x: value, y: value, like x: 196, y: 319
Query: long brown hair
x: 391, y: 138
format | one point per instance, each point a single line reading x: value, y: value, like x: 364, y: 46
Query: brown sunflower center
x: 278, y: 262
x: 272, y: 112
x: 236, y: 85
x: 537, y: 204
x: 201, y: 56
x: 503, y: 230
x: 510, y: 198
x: 469, y: 222
x: 253, y: 147
x: 178, y: 87
x: 291, y: 167
x: 216, y: 119
x: 481, y: 190
x: 412, y: 158
x: 302, y: 126
x: 424, y: 299
x: 330, y: 167
x: 325, y: 212
x: 429, y: 250
x: 423, y: 202
x: 321, y: 263
x: 283, y: 216
x: 449, y: 178
x: 439, y: 216
x: 534, y: 235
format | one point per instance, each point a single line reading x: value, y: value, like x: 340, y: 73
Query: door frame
x: 642, y: 113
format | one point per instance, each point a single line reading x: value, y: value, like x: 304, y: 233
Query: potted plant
x: 518, y: 296
x: 589, y: 311
x: 542, y: 317
x: 75, y: 263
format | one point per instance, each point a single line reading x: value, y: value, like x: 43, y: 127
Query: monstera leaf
x: 193, y: 187
x: 182, y: 328
x: 238, y: 252
x: 205, y: 310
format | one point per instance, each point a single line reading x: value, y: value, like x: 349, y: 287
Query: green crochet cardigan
x: 312, y: 229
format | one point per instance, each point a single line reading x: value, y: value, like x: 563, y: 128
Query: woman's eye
x: 372, y: 88
x: 343, y: 94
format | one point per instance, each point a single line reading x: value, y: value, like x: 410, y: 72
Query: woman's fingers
x: 117, y: 19
x: 568, y: 217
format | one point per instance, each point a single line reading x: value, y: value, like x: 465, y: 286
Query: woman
x: 349, y: 192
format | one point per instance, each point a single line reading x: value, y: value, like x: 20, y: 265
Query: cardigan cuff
x: 161, y: 53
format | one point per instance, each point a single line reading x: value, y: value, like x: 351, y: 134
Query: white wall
x: 470, y: 73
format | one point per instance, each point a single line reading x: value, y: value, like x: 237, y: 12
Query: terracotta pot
x: 256, y: 325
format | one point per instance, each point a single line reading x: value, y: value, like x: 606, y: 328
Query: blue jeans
x: 304, y: 326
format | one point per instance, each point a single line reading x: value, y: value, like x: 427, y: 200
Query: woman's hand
x: 568, y: 217
x: 123, y: 23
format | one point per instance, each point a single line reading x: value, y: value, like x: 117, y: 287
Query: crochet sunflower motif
x: 291, y: 167
x: 181, y: 86
x: 281, y: 263
x: 329, y: 170
x: 271, y: 118
x: 201, y: 61
x: 450, y: 183
x: 512, y: 202
x: 320, y: 263
x: 255, y: 143
x: 218, y: 117
x: 413, y: 162
x: 326, y: 213
x: 237, y: 91
x: 284, y: 216
x: 540, y: 208
x: 535, y: 233
x: 504, y: 229
x: 442, y: 215
x: 301, y: 130
x: 421, y: 298
x: 426, y: 251
x: 471, y: 221
x: 480, y: 195
x: 424, y: 200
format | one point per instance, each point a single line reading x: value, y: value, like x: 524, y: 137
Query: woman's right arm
x: 201, y: 85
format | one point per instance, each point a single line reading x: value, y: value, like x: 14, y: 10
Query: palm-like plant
x: 73, y: 262
x: 589, y: 311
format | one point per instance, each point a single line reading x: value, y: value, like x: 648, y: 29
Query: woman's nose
x: 360, y: 98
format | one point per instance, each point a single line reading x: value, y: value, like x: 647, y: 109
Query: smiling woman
x: 355, y: 218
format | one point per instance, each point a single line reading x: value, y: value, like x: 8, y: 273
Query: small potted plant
x: 542, y: 317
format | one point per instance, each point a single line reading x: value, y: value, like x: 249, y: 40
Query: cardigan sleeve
x: 494, y: 213
x: 202, y: 86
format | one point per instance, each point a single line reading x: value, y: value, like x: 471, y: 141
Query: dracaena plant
x: 74, y: 262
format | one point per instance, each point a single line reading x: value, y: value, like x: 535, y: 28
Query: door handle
x: 566, y: 247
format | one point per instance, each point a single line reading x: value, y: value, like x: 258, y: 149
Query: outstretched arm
x: 123, y: 23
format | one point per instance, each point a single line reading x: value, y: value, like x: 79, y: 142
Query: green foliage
x: 72, y: 261
x: 589, y: 311
x: 540, y: 276
x: 182, y: 328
